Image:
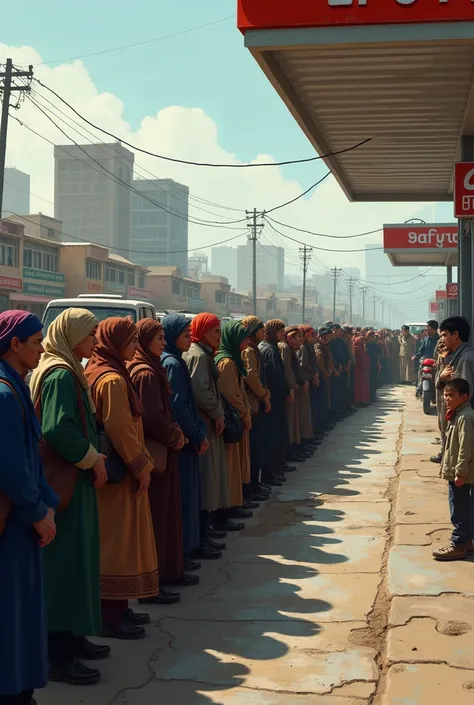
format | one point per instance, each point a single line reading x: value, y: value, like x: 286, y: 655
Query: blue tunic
x: 23, y: 654
x: 186, y: 415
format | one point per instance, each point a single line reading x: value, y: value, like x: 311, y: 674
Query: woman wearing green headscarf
x: 231, y: 382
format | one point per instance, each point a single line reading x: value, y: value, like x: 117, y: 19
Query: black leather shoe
x: 208, y: 554
x: 136, y: 618
x: 164, y: 597
x: 260, y: 497
x: 289, y: 468
x: 230, y: 525
x: 187, y: 579
x: 276, y: 481
x: 437, y: 458
x: 250, y: 505
x: 213, y: 534
x: 191, y: 565
x: 262, y: 489
x: 216, y: 545
x: 88, y: 651
x: 74, y: 673
x: 124, y: 630
x: 239, y: 513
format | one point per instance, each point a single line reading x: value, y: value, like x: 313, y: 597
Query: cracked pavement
x: 329, y: 597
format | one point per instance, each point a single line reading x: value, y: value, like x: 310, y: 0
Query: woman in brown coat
x: 128, y: 565
x: 151, y: 383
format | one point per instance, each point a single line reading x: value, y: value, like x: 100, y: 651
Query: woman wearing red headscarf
x: 128, y: 566
x: 206, y: 337
x: 361, y: 372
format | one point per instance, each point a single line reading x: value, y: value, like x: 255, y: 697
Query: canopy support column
x: 466, y: 251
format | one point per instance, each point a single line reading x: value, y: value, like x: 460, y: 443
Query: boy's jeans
x: 461, y: 504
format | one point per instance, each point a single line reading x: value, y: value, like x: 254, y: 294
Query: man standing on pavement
x: 407, y: 351
x: 428, y: 344
x: 459, y: 362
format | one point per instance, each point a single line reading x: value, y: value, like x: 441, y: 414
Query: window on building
x: 41, y: 257
x: 93, y: 270
x: 8, y: 252
x: 131, y: 278
x: 176, y: 287
x: 110, y: 274
x: 220, y: 297
x: 141, y: 281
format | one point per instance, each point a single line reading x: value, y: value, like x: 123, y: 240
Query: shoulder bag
x: 234, y: 428
x: 60, y: 473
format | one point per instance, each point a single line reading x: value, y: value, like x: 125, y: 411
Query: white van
x: 102, y: 306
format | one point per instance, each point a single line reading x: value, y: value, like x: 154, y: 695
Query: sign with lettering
x: 440, y: 294
x: 434, y: 308
x: 452, y: 291
x: 11, y: 283
x: 464, y: 188
x: 420, y: 237
x: 93, y: 287
x: 43, y: 290
x: 140, y: 294
x: 29, y: 273
x: 114, y: 288
x: 282, y: 14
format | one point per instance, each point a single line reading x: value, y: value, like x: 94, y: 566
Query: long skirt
x: 128, y: 563
x: 306, y: 421
x: 213, y: 471
x: 257, y: 439
x: 165, y: 505
x: 189, y: 481
x: 293, y: 419
x: 238, y: 468
x: 72, y: 565
x: 407, y: 370
x: 275, y: 435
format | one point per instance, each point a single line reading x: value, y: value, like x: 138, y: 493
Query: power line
x: 334, y: 237
x: 136, y: 44
x: 321, y: 249
x: 293, y: 200
x: 207, y: 164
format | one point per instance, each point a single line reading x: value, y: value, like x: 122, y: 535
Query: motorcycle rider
x: 427, y: 348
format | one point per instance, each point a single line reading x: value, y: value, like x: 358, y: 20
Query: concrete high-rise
x: 93, y: 205
x: 270, y: 267
x: 16, y: 193
x: 224, y: 263
x: 160, y: 223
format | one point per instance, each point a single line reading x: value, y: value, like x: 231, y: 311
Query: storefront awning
x: 399, y: 73
x: 25, y: 298
x: 427, y: 245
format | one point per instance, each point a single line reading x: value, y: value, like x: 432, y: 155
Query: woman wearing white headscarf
x: 62, y: 398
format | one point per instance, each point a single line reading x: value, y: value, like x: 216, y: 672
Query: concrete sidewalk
x: 300, y: 610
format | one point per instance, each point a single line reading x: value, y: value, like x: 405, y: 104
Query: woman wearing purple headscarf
x: 27, y: 507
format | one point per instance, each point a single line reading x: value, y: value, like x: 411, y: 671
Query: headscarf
x: 148, y: 329
x: 69, y: 329
x: 233, y: 333
x: 306, y: 330
x: 174, y: 325
x: 202, y: 323
x: 113, y: 335
x: 291, y: 331
x: 271, y: 328
x: 17, y: 324
x: 252, y: 323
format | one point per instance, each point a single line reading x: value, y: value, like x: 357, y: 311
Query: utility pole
x: 383, y: 310
x: 7, y: 88
x: 375, y: 307
x: 255, y: 230
x: 350, y: 284
x: 335, y: 273
x: 363, y: 291
x: 305, y: 256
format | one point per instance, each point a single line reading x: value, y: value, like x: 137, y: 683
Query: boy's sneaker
x: 452, y: 553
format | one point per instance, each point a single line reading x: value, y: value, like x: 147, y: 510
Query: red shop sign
x: 464, y: 189
x: 434, y: 308
x: 11, y: 283
x: 282, y: 14
x: 440, y: 294
x: 420, y: 237
x: 452, y: 291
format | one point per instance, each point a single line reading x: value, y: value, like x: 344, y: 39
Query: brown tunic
x: 128, y: 564
x: 292, y: 406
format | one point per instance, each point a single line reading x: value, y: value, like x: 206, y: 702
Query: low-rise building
x: 215, y: 292
x: 172, y: 291
x: 240, y: 304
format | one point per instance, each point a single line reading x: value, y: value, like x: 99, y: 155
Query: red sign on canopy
x: 464, y: 190
x: 452, y: 291
x: 420, y: 237
x: 279, y: 14
x: 434, y: 307
x: 440, y: 294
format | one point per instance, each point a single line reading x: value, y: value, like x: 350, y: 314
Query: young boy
x: 457, y: 468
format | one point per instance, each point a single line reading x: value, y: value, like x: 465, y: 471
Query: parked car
x: 102, y: 306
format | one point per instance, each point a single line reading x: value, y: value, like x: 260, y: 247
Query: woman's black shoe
x: 86, y: 650
x: 186, y: 580
x: 239, y: 513
x: 164, y: 597
x: 213, y: 534
x: 208, y: 554
x: 137, y: 618
x: 216, y: 545
x: 257, y: 497
x: 250, y: 505
x: 74, y: 673
x: 125, y: 630
x: 229, y: 525
x: 191, y: 565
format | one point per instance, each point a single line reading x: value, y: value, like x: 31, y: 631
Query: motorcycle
x: 428, y: 387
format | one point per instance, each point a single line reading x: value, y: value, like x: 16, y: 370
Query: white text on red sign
x: 432, y: 237
x: 363, y: 3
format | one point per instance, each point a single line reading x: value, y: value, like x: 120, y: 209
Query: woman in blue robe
x: 26, y: 516
x: 178, y: 340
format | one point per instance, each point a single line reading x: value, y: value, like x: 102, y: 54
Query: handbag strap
x: 10, y: 386
x: 80, y: 401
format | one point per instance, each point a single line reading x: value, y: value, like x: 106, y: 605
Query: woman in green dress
x: 61, y: 395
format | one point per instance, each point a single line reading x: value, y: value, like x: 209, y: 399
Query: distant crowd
x: 118, y: 477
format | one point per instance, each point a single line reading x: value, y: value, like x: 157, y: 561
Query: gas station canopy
x: 400, y: 72
x: 427, y: 245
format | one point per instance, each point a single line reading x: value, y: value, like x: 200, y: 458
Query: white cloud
x: 188, y: 133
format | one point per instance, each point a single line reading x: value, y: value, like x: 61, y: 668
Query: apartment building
x: 172, y: 291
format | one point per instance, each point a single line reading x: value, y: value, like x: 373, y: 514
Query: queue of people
x: 119, y: 476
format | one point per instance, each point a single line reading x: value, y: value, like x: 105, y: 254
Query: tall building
x: 270, y: 267
x: 160, y: 223
x: 92, y: 205
x: 224, y: 263
x: 16, y: 193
